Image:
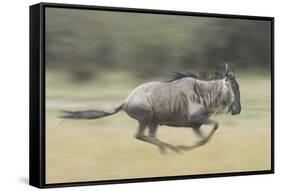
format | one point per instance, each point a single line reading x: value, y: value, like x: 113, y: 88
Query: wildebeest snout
x: 235, y: 109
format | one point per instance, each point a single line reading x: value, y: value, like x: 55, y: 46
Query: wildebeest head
x: 231, y: 81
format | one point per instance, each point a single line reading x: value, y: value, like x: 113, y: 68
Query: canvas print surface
x: 137, y: 95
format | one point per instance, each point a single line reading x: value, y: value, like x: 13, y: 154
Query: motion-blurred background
x: 94, y: 59
x: 85, y: 43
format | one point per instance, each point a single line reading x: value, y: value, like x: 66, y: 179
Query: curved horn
x: 226, y: 68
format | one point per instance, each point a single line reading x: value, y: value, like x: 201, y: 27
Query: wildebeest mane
x: 204, y: 76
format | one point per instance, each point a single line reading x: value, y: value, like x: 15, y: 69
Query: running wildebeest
x: 187, y: 100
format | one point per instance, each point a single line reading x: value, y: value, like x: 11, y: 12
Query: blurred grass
x: 87, y: 150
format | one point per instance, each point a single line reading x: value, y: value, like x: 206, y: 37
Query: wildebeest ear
x: 229, y: 72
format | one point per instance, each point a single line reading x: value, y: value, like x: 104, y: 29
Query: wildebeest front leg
x: 200, y: 119
x: 198, y: 132
x: 215, y: 127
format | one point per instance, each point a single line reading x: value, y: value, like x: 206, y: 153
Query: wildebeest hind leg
x: 141, y: 136
x: 152, y: 139
x: 162, y: 145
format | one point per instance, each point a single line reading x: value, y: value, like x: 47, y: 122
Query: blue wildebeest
x: 187, y: 100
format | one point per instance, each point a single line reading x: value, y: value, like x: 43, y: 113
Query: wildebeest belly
x: 170, y: 107
x: 170, y: 119
x: 166, y: 113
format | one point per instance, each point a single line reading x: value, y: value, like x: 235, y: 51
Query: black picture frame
x: 37, y: 151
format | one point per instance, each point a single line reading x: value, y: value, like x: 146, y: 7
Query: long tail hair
x: 88, y: 114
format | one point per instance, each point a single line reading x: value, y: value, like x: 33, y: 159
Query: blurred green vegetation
x: 86, y: 43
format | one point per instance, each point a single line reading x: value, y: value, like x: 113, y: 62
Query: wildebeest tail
x: 88, y: 114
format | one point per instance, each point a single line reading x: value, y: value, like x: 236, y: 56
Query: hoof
x: 203, y: 142
x: 175, y: 149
